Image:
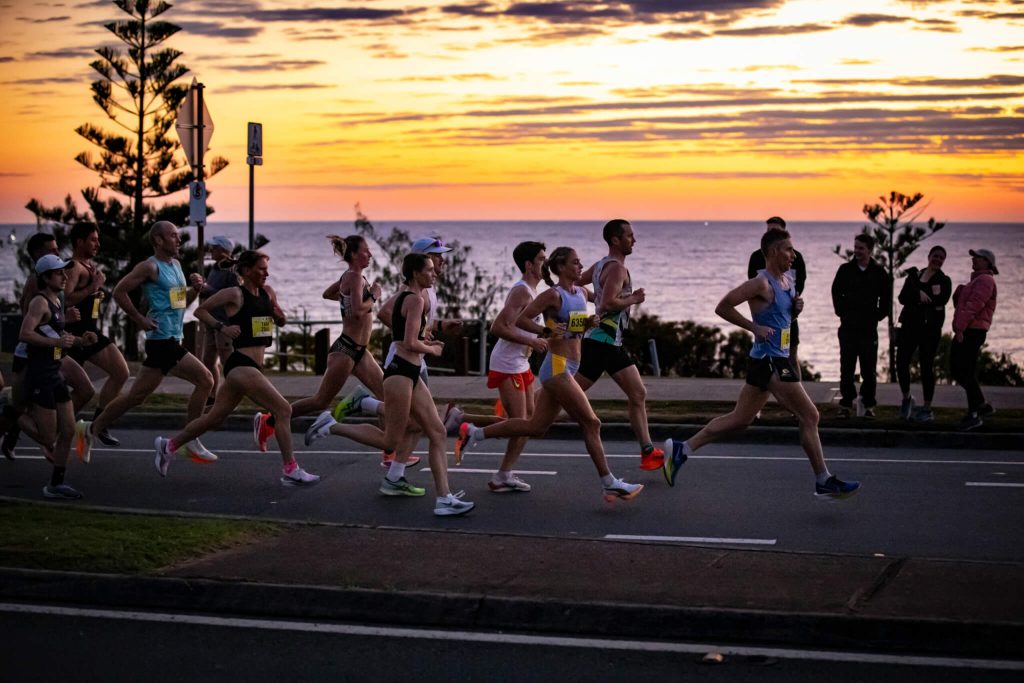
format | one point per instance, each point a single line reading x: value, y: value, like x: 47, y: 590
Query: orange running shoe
x: 386, y: 458
x: 653, y: 460
x: 261, y: 431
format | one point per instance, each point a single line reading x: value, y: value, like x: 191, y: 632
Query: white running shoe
x: 163, y: 456
x: 453, y: 415
x: 452, y: 505
x: 620, y: 490
x: 299, y: 477
x: 512, y: 483
x: 321, y: 427
x: 197, y: 452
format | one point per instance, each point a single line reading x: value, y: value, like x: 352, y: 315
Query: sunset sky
x: 490, y: 109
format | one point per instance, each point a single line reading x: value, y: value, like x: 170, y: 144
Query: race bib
x: 263, y: 326
x: 784, y: 339
x: 96, y: 308
x: 577, y: 321
x: 179, y: 297
x: 58, y: 353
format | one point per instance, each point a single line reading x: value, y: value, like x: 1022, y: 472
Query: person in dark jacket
x: 974, y: 304
x: 757, y: 263
x: 924, y: 296
x: 861, y: 297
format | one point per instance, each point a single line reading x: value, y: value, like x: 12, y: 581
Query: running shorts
x: 239, y: 360
x: 84, y: 353
x: 555, y: 365
x: 599, y: 357
x: 346, y: 345
x: 47, y: 392
x: 402, y: 368
x: 163, y: 354
x: 761, y: 370
x: 522, y: 380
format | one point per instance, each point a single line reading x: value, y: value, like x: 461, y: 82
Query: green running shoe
x: 400, y: 488
x: 351, y: 404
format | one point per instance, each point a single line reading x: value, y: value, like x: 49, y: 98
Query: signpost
x: 254, y: 159
x: 195, y: 128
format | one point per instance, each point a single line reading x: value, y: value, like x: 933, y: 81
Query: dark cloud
x: 5, y: 59
x: 774, y: 30
x: 65, y: 53
x: 274, y: 65
x: 936, y: 25
x: 219, y: 30
x: 994, y: 81
x: 47, y: 20
x: 726, y: 175
x: 993, y: 16
x: 253, y: 11
x: 873, y: 19
x: 14, y: 174
x: 251, y: 87
x: 1000, y: 48
x: 45, y: 81
x: 620, y: 12
x: 683, y: 35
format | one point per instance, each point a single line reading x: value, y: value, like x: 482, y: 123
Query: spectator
x: 974, y: 305
x: 924, y: 296
x: 861, y: 297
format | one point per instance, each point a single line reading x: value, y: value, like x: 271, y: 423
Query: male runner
x: 772, y: 298
x: 757, y: 263
x: 84, y: 291
x: 164, y: 285
x: 602, y: 345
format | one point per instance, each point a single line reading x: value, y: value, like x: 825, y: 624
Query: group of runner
x: 60, y: 332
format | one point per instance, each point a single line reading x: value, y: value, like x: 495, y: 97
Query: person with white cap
x: 50, y: 408
x: 975, y: 305
x: 165, y: 287
x: 214, y: 346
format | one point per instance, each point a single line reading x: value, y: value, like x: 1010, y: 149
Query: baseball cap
x: 51, y: 262
x: 225, y: 243
x: 430, y: 245
x: 988, y: 256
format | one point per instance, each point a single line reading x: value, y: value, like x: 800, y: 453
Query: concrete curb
x: 483, y: 612
x: 830, y: 436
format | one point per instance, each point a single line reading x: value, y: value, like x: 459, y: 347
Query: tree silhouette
x: 896, y: 238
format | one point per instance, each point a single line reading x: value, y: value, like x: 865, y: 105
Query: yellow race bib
x: 58, y: 353
x: 96, y: 308
x: 784, y: 339
x: 577, y: 321
x: 179, y: 297
x: 263, y: 326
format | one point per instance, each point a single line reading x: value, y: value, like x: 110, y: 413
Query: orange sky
x: 671, y: 109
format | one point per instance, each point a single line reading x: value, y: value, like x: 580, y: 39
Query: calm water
x: 685, y: 266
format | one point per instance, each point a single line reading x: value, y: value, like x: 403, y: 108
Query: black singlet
x: 398, y: 318
x: 89, y: 311
x: 255, y: 317
x: 45, y: 360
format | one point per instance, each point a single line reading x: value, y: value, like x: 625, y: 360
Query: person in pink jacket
x: 975, y: 303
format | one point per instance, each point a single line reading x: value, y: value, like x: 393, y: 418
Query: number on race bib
x: 784, y: 341
x: 263, y: 326
x: 577, y: 321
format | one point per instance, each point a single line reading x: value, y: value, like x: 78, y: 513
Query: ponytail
x: 345, y: 247
x: 558, y: 258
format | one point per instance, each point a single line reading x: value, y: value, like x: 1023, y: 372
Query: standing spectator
x: 757, y: 263
x: 924, y: 296
x: 974, y: 305
x: 214, y: 345
x: 861, y: 297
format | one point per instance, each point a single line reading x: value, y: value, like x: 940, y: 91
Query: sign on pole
x: 194, y: 126
x: 197, y: 202
x: 255, y: 158
x: 255, y: 145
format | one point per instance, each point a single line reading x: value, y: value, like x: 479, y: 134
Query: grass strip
x: 67, y: 537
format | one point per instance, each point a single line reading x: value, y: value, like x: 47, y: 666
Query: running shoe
x: 653, y: 460
x: 512, y: 484
x: 835, y: 488
x: 986, y: 410
x: 108, y: 439
x: 61, y: 492
x: 388, y: 457
x: 351, y: 404
x: 451, y: 505
x: 163, y: 456
x: 972, y: 421
x: 675, y: 462
x: 197, y: 452
x: 463, y: 441
x: 299, y: 477
x: 907, y: 407
x: 924, y: 414
x: 453, y: 415
x: 83, y: 440
x: 844, y: 413
x: 261, y: 430
x: 620, y: 490
x: 320, y: 428
x: 869, y: 414
x: 9, y: 442
x: 400, y: 488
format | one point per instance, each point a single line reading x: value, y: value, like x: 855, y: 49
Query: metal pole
x: 252, y: 184
x: 656, y: 367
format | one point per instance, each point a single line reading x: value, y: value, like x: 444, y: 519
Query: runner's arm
x: 504, y: 326
x: 146, y: 270
x: 748, y: 291
x: 526, y: 321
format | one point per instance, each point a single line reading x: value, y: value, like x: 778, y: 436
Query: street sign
x: 194, y: 125
x: 254, y: 161
x: 197, y: 202
x: 255, y: 145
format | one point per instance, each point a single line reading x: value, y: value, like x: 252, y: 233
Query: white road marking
x: 693, y: 539
x: 995, y: 484
x: 468, y: 470
x: 519, y: 639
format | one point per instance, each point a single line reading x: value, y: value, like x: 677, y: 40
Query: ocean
x: 685, y: 266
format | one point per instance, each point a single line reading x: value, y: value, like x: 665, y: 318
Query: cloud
x: 683, y: 35
x: 856, y: 62
x: 251, y: 87
x: 14, y: 174
x: 47, y: 20
x: 754, y: 31
x: 64, y: 53
x: 863, y: 20
x: 623, y: 12
x: 448, y: 77
x: 1000, y: 48
x: 45, y: 81
x: 5, y: 59
x: 937, y: 25
x: 767, y: 67
x: 994, y: 81
x: 274, y: 65
x: 219, y: 30
x: 726, y: 175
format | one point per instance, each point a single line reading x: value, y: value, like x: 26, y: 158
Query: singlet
x: 776, y: 315
x: 611, y: 323
x: 255, y: 317
x: 168, y: 298
x: 45, y: 360
x: 509, y: 357
x: 398, y: 319
x: 89, y: 310
x: 345, y: 300
x: 572, y: 312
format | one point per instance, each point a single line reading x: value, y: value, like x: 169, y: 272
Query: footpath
x: 587, y: 588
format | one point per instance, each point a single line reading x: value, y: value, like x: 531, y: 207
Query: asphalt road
x: 940, y: 504
x: 48, y: 643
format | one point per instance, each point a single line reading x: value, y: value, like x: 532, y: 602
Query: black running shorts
x: 163, y: 354
x: 598, y: 357
x: 760, y: 371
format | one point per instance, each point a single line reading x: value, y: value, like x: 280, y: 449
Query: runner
x: 772, y: 298
x: 164, y: 285
x: 564, y: 307
x: 510, y: 360
x: 42, y: 329
x: 602, y: 346
x: 84, y: 291
x: 252, y: 312
x: 214, y: 347
x: 405, y: 394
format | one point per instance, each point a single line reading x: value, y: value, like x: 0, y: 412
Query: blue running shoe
x: 835, y: 488
x: 675, y: 457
